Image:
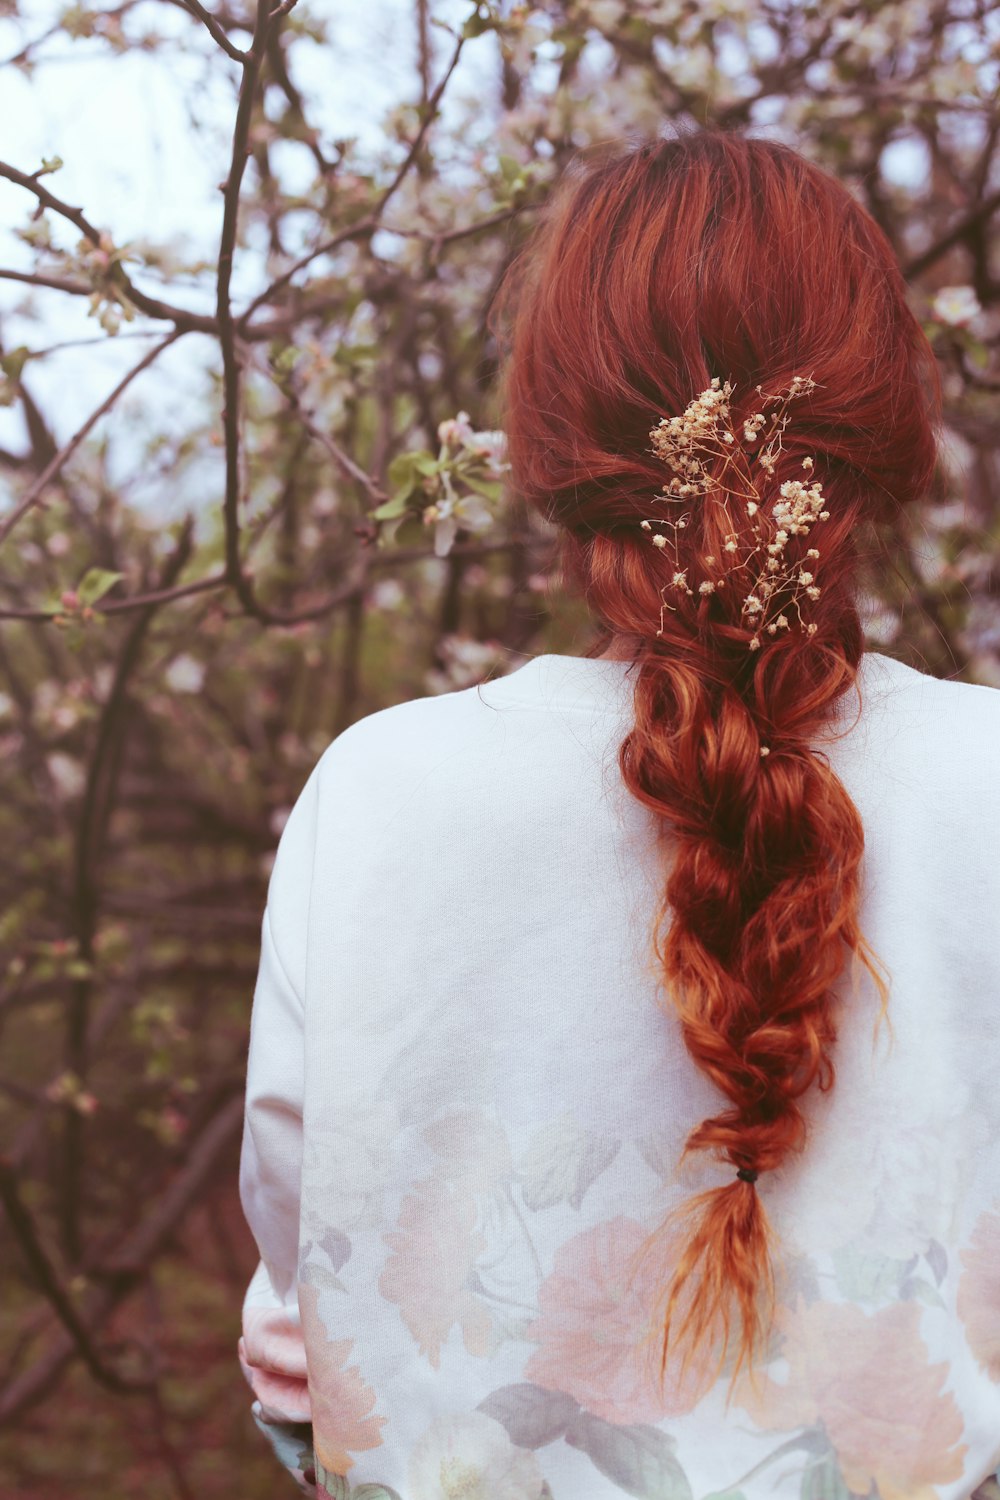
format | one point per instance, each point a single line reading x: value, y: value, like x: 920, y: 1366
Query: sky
x: 145, y: 141
x: 133, y: 161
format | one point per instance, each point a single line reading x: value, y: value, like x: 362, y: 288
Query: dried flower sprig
x: 692, y: 445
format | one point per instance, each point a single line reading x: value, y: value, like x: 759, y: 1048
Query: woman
x: 555, y: 1189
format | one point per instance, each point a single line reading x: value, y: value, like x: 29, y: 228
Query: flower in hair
x: 707, y: 462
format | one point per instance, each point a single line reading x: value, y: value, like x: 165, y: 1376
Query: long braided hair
x: 659, y: 268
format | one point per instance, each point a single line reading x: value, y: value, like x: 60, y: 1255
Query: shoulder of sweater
x: 400, y: 734
x: 956, y: 706
x: 940, y: 737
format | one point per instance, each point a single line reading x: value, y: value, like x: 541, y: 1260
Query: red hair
x: 656, y: 269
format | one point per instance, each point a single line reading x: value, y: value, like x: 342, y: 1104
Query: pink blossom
x: 979, y: 1293
x: 597, y: 1334
x: 435, y: 1247
x: 868, y: 1379
x: 340, y: 1399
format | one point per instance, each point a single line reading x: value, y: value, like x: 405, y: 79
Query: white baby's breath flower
x: 694, y: 447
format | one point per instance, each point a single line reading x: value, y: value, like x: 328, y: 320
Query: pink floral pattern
x: 597, y: 1330
x: 343, y: 1420
x: 869, y: 1381
x: 435, y: 1247
x: 979, y: 1292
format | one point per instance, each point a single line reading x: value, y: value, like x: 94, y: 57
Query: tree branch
x: 128, y: 1264
x: 58, y: 1298
x: 216, y: 30
x: 965, y: 226
x: 52, y: 468
x: 371, y: 221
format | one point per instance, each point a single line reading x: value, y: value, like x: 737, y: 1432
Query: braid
x: 763, y: 899
x: 658, y: 273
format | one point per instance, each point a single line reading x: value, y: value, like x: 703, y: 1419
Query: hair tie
x: 748, y: 1174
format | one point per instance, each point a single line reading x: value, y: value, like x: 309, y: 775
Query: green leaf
x: 403, y: 475
x: 49, y: 164
x: 349, y: 355
x: 640, y: 1460
x: 864, y: 1277
x: 978, y: 353
x: 511, y: 169
x: 923, y: 1290
x: 491, y: 489
x: 390, y: 509
x: 331, y: 1486
x: 13, y: 363
x: 477, y: 24
x: 823, y: 1480
x: 283, y: 360
x: 95, y: 583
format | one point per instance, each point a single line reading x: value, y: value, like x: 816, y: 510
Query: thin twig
x: 342, y: 459
x: 371, y: 222
x: 58, y: 1298
x: 65, y: 453
x: 55, y: 283
x: 954, y: 236
x: 216, y: 30
x: 130, y: 1262
x: 118, y: 279
x: 227, y: 333
x: 103, y: 769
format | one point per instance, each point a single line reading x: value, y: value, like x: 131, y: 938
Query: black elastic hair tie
x: 748, y: 1174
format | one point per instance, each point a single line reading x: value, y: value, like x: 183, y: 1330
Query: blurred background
x: 251, y: 489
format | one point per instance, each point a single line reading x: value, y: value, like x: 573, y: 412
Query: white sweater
x: 467, y: 1095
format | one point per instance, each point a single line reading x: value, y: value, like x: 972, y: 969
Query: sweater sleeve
x: 271, y: 1350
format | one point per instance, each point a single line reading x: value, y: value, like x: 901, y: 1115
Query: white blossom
x: 956, y: 305
x: 185, y: 674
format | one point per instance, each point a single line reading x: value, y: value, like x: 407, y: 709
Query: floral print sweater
x: 467, y: 1097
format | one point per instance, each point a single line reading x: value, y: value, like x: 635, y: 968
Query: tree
x: 168, y: 686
